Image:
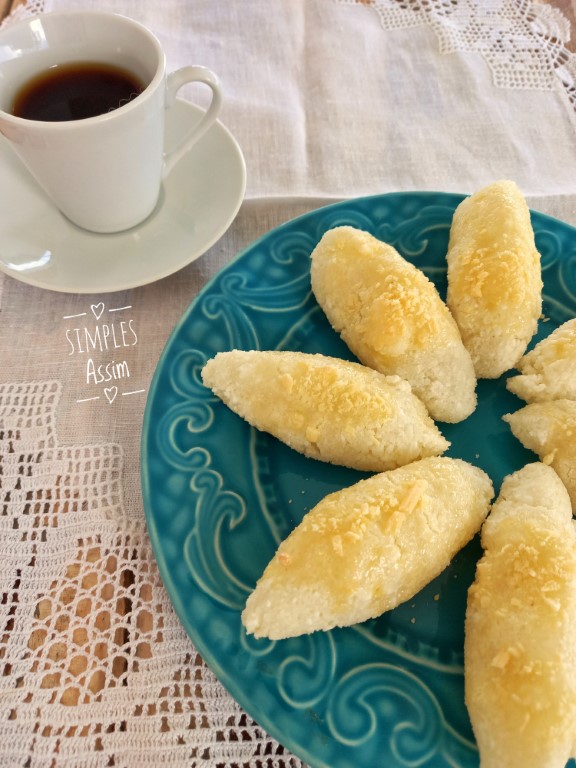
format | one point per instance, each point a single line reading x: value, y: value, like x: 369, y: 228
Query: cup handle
x: 175, y: 81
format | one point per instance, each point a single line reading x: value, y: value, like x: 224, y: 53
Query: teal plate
x: 219, y: 497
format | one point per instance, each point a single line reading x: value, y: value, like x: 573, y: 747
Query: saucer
x: 199, y: 200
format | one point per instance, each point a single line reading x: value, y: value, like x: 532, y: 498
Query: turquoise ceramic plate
x: 219, y: 497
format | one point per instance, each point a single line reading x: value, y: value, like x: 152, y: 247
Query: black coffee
x: 76, y: 91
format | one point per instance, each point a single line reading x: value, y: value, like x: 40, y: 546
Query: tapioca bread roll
x: 326, y: 408
x: 369, y: 547
x: 548, y: 372
x: 549, y: 429
x: 494, y: 277
x: 392, y: 318
x: 519, y: 650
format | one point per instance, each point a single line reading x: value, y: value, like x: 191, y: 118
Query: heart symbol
x: 97, y: 310
x: 111, y: 393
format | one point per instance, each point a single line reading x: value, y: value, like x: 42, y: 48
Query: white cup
x: 105, y: 172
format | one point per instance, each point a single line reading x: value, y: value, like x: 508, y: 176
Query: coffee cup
x: 102, y: 169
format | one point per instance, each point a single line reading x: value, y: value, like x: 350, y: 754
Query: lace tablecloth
x: 328, y: 99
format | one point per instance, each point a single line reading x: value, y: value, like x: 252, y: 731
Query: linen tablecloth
x: 328, y: 99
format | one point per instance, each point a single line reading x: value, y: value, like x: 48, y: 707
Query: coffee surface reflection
x: 76, y: 91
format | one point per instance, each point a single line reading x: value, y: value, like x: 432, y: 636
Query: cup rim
x: 24, y: 122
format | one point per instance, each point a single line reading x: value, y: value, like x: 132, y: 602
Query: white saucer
x: 200, y: 199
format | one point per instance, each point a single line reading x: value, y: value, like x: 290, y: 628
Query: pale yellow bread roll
x: 549, y: 429
x: 519, y: 651
x: 548, y: 372
x: 494, y: 277
x: 393, y: 319
x: 326, y: 408
x: 369, y: 547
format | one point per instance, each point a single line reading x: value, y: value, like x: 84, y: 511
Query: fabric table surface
x: 329, y: 100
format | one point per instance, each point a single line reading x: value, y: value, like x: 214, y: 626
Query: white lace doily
x: 531, y: 53
x: 96, y: 668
